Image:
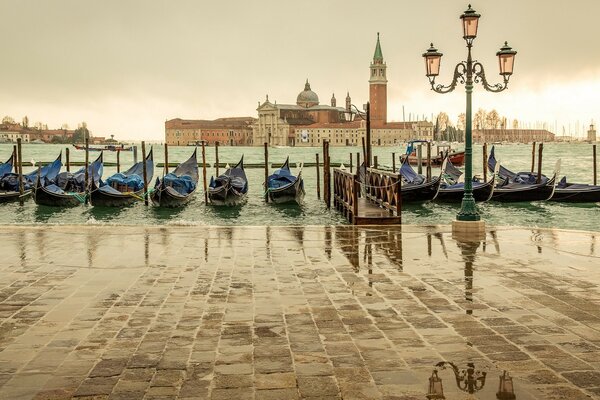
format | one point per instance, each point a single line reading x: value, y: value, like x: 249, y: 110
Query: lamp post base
x: 468, y: 231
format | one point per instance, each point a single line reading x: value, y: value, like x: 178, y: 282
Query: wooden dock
x: 380, y: 204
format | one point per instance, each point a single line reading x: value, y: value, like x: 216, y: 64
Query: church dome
x: 307, y: 98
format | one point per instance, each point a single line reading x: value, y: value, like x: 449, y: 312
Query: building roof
x: 307, y: 97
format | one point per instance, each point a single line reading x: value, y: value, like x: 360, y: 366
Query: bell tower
x: 378, y: 87
x: 348, y: 102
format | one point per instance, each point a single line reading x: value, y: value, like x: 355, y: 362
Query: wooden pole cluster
x: 266, y: 146
x: 145, y: 172
x: 204, y: 172
x: 68, y: 156
x: 595, y: 164
x: 20, y: 171
x: 166, y: 158
x: 539, y: 172
x: 485, y: 166
x: 318, y: 178
x: 87, y: 168
x: 533, y: 157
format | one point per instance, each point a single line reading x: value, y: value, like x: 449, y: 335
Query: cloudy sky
x: 125, y: 66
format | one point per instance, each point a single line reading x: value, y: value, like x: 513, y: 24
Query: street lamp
x: 469, y: 72
x: 468, y: 380
x: 365, y: 116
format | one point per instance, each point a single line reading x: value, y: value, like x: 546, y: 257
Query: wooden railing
x: 385, y: 189
x: 346, y: 190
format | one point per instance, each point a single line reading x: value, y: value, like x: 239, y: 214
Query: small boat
x: 457, y: 158
x: 452, y: 190
x: 231, y: 188
x: 66, y: 189
x: 521, y: 186
x: 122, y: 189
x: 283, y: 187
x: 9, y: 182
x: 177, y: 188
x: 576, y: 192
x: 415, y: 187
x: 108, y: 147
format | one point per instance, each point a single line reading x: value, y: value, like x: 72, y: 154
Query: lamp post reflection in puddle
x: 468, y: 251
x: 469, y: 380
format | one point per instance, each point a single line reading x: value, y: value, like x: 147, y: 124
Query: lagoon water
x: 576, y: 163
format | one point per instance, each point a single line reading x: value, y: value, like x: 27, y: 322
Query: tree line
x: 482, y: 119
x: 79, y: 134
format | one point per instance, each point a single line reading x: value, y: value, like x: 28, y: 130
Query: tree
x: 8, y: 120
x: 25, y: 122
x: 38, y: 126
x: 515, y: 124
x: 81, y: 133
x: 64, y: 126
x: 492, y: 120
x: 442, y: 121
x: 479, y: 119
x: 462, y: 121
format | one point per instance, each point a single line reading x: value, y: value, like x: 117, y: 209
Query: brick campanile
x: 378, y: 88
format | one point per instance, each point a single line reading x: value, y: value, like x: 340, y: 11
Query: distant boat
x: 283, y: 187
x: 457, y: 158
x: 108, y: 147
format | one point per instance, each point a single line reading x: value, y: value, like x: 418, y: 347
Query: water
x: 576, y: 164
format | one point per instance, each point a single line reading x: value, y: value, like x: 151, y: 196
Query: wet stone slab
x: 117, y: 312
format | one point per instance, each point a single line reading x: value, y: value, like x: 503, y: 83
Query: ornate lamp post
x: 468, y: 380
x: 469, y: 72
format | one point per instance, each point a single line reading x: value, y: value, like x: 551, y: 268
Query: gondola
x: 415, y: 187
x: 452, y: 191
x: 455, y: 157
x: 521, y: 186
x: 575, y: 192
x: 9, y: 182
x: 122, y: 189
x: 66, y: 189
x: 283, y: 187
x: 178, y: 187
x: 231, y: 188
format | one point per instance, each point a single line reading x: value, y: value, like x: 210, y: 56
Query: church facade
x: 308, y: 123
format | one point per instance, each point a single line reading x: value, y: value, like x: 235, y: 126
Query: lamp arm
x: 459, y: 76
x: 361, y: 114
x: 479, y: 73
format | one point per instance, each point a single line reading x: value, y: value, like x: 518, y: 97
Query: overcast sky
x: 126, y: 66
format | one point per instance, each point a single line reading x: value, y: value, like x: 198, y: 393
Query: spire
x: 333, y: 100
x: 378, y: 56
x: 307, y: 85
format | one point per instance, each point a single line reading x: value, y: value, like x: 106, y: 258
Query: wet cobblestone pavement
x: 287, y: 313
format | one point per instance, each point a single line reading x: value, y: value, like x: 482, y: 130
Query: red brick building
x: 233, y: 131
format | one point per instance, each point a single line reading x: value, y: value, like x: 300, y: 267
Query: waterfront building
x: 591, y: 134
x: 233, y: 131
x: 512, y: 135
x: 11, y: 136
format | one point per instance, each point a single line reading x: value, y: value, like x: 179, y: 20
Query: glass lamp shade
x: 506, y: 389
x: 433, y: 59
x: 349, y: 115
x: 470, y: 20
x: 436, y: 390
x: 506, y: 58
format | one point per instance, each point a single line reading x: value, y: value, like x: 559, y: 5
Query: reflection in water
x: 106, y: 213
x: 328, y: 241
x: 347, y: 239
x: 268, y: 247
x: 92, y: 244
x: 146, y: 248
x: 45, y: 213
x: 288, y: 210
x: 494, y: 235
x: 368, y: 256
x: 468, y: 380
x: 22, y: 247
x: 468, y: 251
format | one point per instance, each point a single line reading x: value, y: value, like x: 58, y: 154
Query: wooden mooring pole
x: 318, y: 177
x: 375, y: 162
x: 20, y: 171
x: 394, y: 162
x: 485, y: 167
x: 87, y: 168
x: 145, y: 172
x: 68, y: 156
x: 266, y: 184
x: 420, y: 159
x: 595, y: 164
x: 135, y: 152
x: 118, y: 160
x: 539, y: 171
x: 358, y: 162
x: 533, y: 157
x: 428, y: 161
x: 204, y: 172
x: 217, y: 158
x: 166, y: 158
x: 350, y: 162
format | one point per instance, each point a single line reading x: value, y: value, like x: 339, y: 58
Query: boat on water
x: 125, y: 188
x: 108, y: 147
x: 452, y: 188
x: 66, y: 189
x: 576, y: 192
x: 177, y: 188
x: 520, y: 186
x: 415, y: 187
x: 457, y: 158
x: 230, y: 188
x: 283, y: 187
x: 9, y: 181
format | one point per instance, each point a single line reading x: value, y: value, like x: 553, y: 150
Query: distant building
x: 512, y: 135
x: 591, y: 133
x: 234, y: 131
